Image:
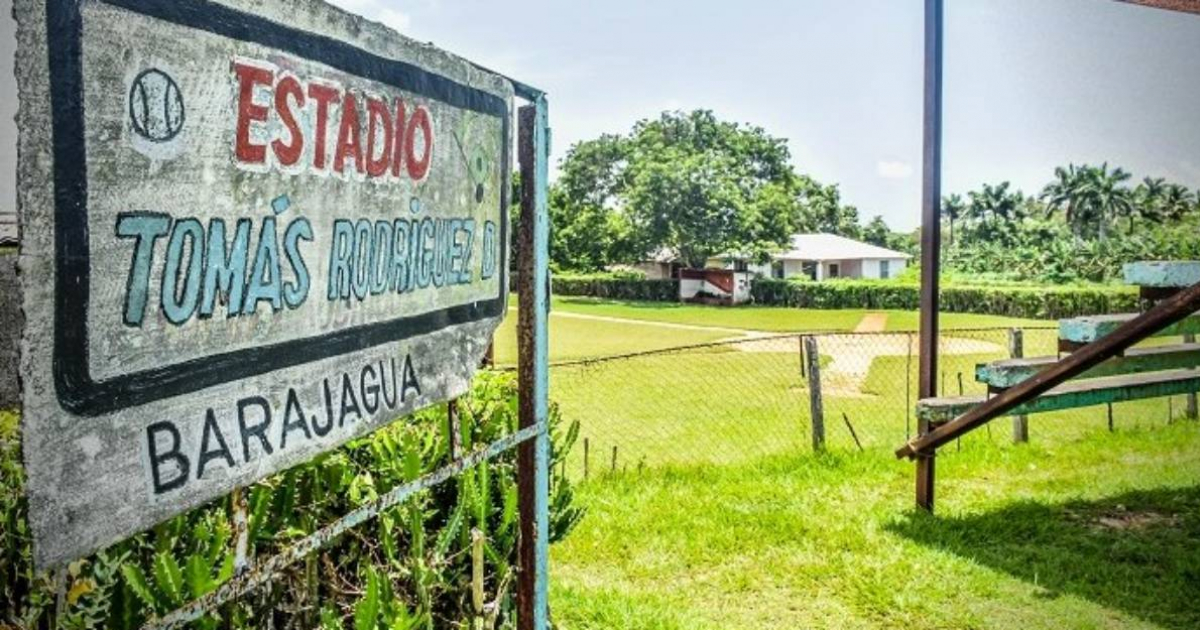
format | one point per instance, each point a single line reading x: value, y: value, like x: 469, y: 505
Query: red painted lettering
x: 250, y: 112
x: 379, y: 122
x: 398, y: 140
x: 324, y: 96
x: 417, y: 169
x: 289, y: 153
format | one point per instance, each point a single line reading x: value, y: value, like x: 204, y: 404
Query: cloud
x: 894, y: 169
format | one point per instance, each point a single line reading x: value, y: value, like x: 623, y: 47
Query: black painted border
x: 84, y: 396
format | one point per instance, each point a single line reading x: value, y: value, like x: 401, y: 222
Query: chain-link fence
x: 753, y: 397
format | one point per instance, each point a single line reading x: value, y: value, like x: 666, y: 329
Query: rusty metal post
x: 1016, y: 350
x: 815, y: 402
x: 533, y: 479
x: 931, y: 236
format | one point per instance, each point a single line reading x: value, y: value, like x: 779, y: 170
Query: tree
x: 953, y: 208
x: 1176, y: 202
x: 590, y: 227
x: 1105, y: 193
x: 1064, y: 195
x: 877, y: 232
x: 822, y: 210
x: 1091, y: 197
x: 701, y: 187
x: 1147, y: 199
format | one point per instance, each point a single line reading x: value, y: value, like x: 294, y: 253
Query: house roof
x: 834, y: 247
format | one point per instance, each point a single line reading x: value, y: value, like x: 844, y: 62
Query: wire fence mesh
x: 735, y: 401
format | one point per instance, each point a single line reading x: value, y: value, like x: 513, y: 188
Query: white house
x: 824, y: 257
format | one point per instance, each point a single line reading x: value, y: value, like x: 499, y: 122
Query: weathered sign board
x: 252, y: 230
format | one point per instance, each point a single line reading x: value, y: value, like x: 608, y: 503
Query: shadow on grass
x: 1138, y: 552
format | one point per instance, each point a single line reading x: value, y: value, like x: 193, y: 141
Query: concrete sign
x: 252, y: 230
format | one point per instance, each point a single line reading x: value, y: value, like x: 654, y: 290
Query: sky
x: 1030, y: 84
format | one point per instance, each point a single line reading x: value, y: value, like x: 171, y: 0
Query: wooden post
x: 802, y: 359
x: 454, y: 429
x: 1193, y: 412
x: 533, y: 475
x: 614, y: 459
x: 587, y: 454
x: 1110, y: 418
x: 931, y: 235
x: 1016, y: 350
x: 908, y: 406
x: 816, y: 406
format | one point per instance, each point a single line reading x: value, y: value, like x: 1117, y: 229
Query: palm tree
x: 1063, y: 194
x: 1176, y: 201
x: 953, y: 207
x: 1105, y: 193
x: 1148, y: 198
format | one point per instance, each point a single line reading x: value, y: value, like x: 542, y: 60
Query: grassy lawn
x: 716, y: 516
x: 1097, y: 532
x: 574, y: 338
x: 770, y: 318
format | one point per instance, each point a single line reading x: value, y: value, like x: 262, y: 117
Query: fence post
x: 454, y: 429
x: 1016, y: 350
x: 803, y: 373
x: 1193, y: 413
x: 533, y: 475
x: 814, y: 393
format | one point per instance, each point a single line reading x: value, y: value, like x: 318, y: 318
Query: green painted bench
x: 1010, y: 372
x: 1080, y: 393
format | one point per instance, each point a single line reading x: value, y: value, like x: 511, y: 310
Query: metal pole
x: 931, y: 236
x: 1016, y: 350
x: 533, y: 478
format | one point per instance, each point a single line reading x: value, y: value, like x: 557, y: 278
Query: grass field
x: 717, y: 516
x: 1100, y: 532
x: 577, y: 332
x: 770, y: 318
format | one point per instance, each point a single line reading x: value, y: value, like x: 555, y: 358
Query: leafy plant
x: 411, y: 568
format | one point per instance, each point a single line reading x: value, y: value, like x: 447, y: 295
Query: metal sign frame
x: 532, y: 439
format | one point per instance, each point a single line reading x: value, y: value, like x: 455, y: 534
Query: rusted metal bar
x: 534, y: 299
x: 265, y: 572
x: 931, y: 234
x: 1016, y: 350
x: 1161, y: 316
x: 1185, y: 6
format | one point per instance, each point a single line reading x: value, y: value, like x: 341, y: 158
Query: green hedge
x: 1009, y: 301
x: 616, y: 287
x: 1027, y: 302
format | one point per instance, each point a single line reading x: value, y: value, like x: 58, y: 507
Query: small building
x: 717, y: 287
x: 823, y: 257
x: 659, y: 265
